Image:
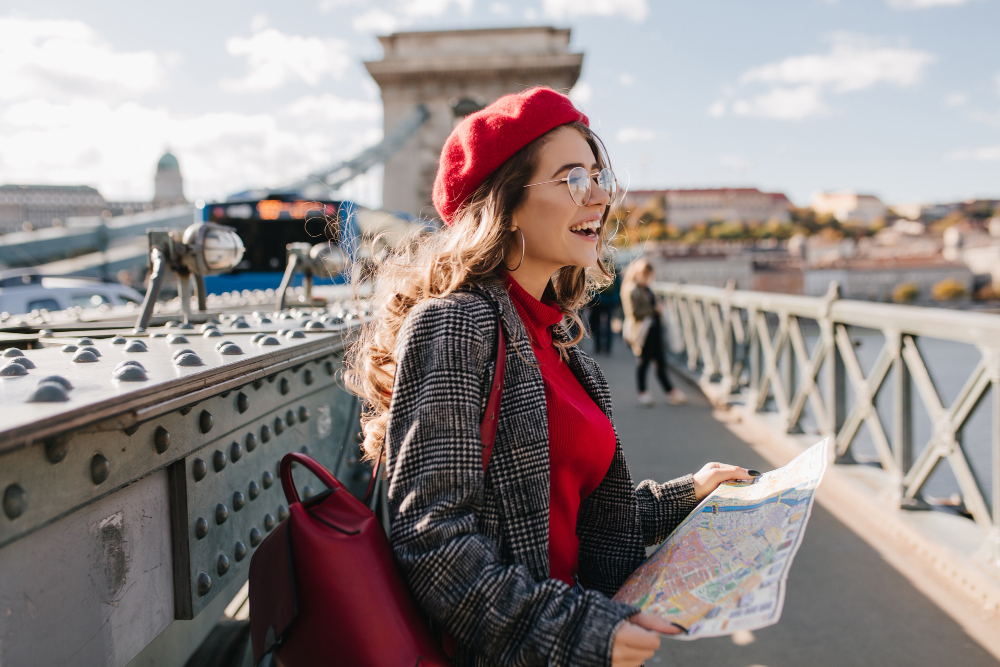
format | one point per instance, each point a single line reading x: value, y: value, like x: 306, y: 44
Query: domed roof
x: 168, y: 161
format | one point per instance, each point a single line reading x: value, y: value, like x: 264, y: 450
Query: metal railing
x: 750, y: 346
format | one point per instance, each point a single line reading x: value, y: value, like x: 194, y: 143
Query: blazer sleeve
x: 663, y: 506
x: 436, y: 490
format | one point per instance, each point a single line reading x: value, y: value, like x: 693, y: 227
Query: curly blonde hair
x: 471, y: 251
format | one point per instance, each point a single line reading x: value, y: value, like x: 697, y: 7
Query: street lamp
x: 322, y: 259
x: 204, y: 249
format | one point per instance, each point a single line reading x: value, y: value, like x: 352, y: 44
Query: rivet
x: 48, y: 392
x: 189, y: 359
x: 221, y: 514
x: 305, y: 450
x: 239, y: 551
x: 207, y: 326
x: 218, y: 461
x: 226, y: 393
x: 13, y: 370
x: 231, y: 349
x: 206, y: 421
x: 238, y: 501
x: 200, y: 527
x: 100, y: 468
x: 222, y: 343
x: 307, y: 492
x: 15, y: 501
x: 204, y: 584
x: 69, y: 348
x: 222, y: 564
x: 269, y: 340
x: 235, y: 451
x: 24, y: 361
x: 253, y: 490
x: 177, y: 339
x: 58, y: 379
x: 303, y: 414
x: 290, y: 417
x: 186, y: 325
x: 256, y: 337
x: 84, y: 341
x: 282, y: 512
x: 119, y: 340
x: 55, y: 450
x: 84, y: 357
x: 308, y: 377
x: 241, y: 324
x: 258, y: 383
x: 250, y: 442
x: 254, y: 537
x: 242, y: 402
x: 211, y: 333
x: 136, y: 345
x: 295, y: 334
x: 268, y: 523
x: 329, y: 367
x: 13, y: 352
x: 267, y: 479
x: 283, y: 386
x: 186, y: 410
x: 279, y: 426
x: 161, y: 439
x: 199, y: 469
x: 129, y: 374
x: 265, y: 433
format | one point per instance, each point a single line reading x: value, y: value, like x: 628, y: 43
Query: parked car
x: 22, y: 293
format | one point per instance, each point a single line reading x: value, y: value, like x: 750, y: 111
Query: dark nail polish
x: 680, y: 627
x: 755, y: 473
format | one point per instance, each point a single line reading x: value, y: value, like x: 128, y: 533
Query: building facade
x: 848, y: 205
x: 26, y: 207
x: 688, y: 207
x: 454, y: 73
x: 168, y: 185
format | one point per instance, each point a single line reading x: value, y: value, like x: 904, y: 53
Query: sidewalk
x: 845, y: 604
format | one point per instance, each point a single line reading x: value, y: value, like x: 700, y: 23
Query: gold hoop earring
x: 504, y: 259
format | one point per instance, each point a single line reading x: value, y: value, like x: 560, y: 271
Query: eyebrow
x: 567, y: 167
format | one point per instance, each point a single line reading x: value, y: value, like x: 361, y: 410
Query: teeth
x: 595, y: 225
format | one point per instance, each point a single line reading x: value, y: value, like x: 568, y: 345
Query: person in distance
x: 515, y: 565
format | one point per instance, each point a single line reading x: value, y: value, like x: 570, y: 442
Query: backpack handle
x: 312, y: 465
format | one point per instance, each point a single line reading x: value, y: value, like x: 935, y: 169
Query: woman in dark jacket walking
x: 643, y: 331
x: 515, y: 566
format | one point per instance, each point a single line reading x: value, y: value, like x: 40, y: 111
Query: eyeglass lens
x: 579, y: 180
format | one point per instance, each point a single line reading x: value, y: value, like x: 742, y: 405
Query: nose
x: 598, y: 197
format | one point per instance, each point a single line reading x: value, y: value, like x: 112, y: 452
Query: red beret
x: 491, y: 136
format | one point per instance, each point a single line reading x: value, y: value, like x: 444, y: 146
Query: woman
x: 644, y: 331
x: 514, y: 566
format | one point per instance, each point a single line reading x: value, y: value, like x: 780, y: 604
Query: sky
x: 898, y: 98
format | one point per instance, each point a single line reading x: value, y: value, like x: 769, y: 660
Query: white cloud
x: 717, y: 109
x: 433, y: 8
x: 626, y: 79
x: 986, y: 118
x: 798, y: 85
x: 784, y: 104
x: 499, y: 8
x: 58, y: 59
x: 329, y: 6
x: 376, y: 21
x: 275, y: 59
x: 987, y: 153
x: 628, y: 135
x: 854, y: 63
x: 956, y: 99
x: 634, y: 10
x: 581, y: 93
x: 924, y: 4
x: 115, y: 147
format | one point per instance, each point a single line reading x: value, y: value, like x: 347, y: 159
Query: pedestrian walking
x: 643, y: 331
x: 600, y: 311
x: 513, y: 560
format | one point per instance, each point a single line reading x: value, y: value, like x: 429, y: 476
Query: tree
x: 905, y: 293
x: 948, y: 289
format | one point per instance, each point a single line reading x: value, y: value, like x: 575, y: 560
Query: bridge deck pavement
x: 845, y: 605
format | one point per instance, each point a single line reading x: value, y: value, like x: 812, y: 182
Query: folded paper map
x: 725, y: 566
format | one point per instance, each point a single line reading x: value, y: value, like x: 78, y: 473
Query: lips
x: 588, y: 229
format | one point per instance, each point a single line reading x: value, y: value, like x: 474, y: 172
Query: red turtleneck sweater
x: 581, y: 439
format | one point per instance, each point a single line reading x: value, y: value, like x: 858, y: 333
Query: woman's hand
x: 636, y: 640
x: 708, y: 478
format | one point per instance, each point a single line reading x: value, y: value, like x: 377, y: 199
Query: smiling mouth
x: 588, y: 230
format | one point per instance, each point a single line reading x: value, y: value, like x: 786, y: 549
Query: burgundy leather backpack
x: 324, y: 585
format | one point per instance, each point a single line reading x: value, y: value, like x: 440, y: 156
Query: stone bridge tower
x: 454, y: 73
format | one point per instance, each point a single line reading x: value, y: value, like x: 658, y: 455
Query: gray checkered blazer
x: 475, y: 551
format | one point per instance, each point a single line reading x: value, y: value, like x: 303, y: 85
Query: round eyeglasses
x: 578, y: 180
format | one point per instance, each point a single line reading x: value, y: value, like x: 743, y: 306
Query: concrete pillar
x: 453, y: 73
